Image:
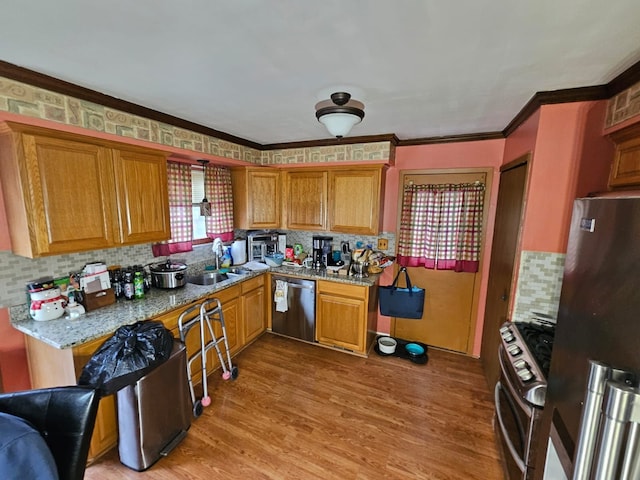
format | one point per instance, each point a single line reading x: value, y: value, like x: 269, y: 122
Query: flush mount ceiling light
x: 340, y: 113
x: 205, y: 206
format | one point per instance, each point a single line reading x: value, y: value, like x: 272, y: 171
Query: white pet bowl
x: 387, y: 345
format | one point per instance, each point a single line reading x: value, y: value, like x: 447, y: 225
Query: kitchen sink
x: 209, y: 278
x: 236, y: 272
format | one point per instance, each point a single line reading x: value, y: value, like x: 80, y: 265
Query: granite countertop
x: 65, y: 332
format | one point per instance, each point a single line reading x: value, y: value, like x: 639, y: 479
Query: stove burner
x: 539, y: 340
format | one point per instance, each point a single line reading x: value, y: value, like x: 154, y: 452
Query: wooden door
x: 70, y: 195
x: 306, y: 201
x: 143, y: 201
x: 451, y: 298
x: 513, y: 179
x: 354, y: 200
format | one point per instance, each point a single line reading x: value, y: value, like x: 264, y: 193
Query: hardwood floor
x: 299, y: 411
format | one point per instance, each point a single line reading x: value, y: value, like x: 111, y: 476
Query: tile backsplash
x: 539, y: 284
x: 16, y: 271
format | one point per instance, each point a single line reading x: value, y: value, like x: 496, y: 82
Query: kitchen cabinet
x: 306, y: 199
x: 346, y: 315
x: 105, y: 430
x: 67, y: 193
x: 256, y: 197
x: 625, y: 170
x: 54, y: 367
x: 355, y: 200
x: 253, y: 309
x: 142, y: 191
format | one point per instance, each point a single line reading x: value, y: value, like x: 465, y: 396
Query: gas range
x: 526, y: 350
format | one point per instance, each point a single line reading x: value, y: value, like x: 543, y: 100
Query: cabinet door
x: 105, y: 430
x: 68, y: 196
x: 141, y: 182
x: 256, y: 193
x: 341, y: 321
x: 354, y: 201
x: 253, y: 312
x: 231, y: 311
x: 625, y: 170
x: 306, y: 202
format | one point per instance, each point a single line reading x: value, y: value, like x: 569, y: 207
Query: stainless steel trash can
x: 154, y: 414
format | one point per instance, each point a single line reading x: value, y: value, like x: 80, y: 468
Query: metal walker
x: 202, y: 315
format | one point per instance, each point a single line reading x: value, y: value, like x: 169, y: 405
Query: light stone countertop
x: 65, y: 332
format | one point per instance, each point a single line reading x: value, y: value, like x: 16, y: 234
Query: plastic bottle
x: 138, y: 284
x: 127, y: 276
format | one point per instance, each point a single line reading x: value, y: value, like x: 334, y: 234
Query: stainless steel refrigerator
x: 599, y: 315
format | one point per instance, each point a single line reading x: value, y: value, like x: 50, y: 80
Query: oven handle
x: 519, y: 461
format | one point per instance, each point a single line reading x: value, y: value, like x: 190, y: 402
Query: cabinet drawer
x: 252, y: 283
x: 342, y: 289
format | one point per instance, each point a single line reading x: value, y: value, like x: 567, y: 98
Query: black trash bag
x: 127, y: 356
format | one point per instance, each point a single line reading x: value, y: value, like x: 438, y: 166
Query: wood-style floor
x: 298, y: 411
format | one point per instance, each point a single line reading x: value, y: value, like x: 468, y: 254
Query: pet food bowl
x: 414, y: 350
x: 387, y: 345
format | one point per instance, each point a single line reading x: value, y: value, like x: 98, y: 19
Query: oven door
x: 514, y: 419
x: 511, y: 432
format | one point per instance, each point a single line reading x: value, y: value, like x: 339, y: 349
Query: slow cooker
x: 168, y: 274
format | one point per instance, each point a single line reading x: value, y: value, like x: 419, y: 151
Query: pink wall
x: 570, y: 159
x: 481, y: 154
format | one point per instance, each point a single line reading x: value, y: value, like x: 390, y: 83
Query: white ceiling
x: 255, y: 69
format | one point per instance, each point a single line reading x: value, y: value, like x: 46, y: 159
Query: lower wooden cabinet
x: 253, y: 308
x: 105, y: 430
x: 345, y: 315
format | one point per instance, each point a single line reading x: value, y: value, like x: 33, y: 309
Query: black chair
x: 64, y: 416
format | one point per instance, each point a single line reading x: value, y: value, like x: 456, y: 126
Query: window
x: 440, y: 226
x: 197, y: 194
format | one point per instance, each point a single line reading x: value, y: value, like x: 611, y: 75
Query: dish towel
x: 280, y: 296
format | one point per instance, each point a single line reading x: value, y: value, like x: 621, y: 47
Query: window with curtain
x: 440, y: 226
x: 185, y: 227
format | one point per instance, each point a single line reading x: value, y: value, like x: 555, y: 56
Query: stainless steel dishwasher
x: 297, y: 317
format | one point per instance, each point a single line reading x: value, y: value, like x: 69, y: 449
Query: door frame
x: 488, y: 172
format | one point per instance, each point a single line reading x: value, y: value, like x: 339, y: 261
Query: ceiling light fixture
x: 205, y: 206
x: 340, y: 113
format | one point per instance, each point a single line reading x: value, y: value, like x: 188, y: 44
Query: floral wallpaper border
x: 623, y: 106
x: 23, y: 99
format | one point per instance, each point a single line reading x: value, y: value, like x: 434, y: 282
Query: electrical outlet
x: 383, y: 244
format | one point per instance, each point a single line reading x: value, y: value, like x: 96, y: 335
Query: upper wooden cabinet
x: 306, y: 194
x: 256, y: 195
x: 141, y: 185
x: 68, y: 193
x: 337, y: 199
x: 355, y: 200
x: 626, y: 162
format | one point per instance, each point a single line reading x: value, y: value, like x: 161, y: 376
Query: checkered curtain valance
x: 440, y: 226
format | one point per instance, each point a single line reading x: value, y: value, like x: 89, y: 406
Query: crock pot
x: 168, y: 275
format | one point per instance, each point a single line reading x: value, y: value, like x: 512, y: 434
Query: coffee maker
x: 321, y: 253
